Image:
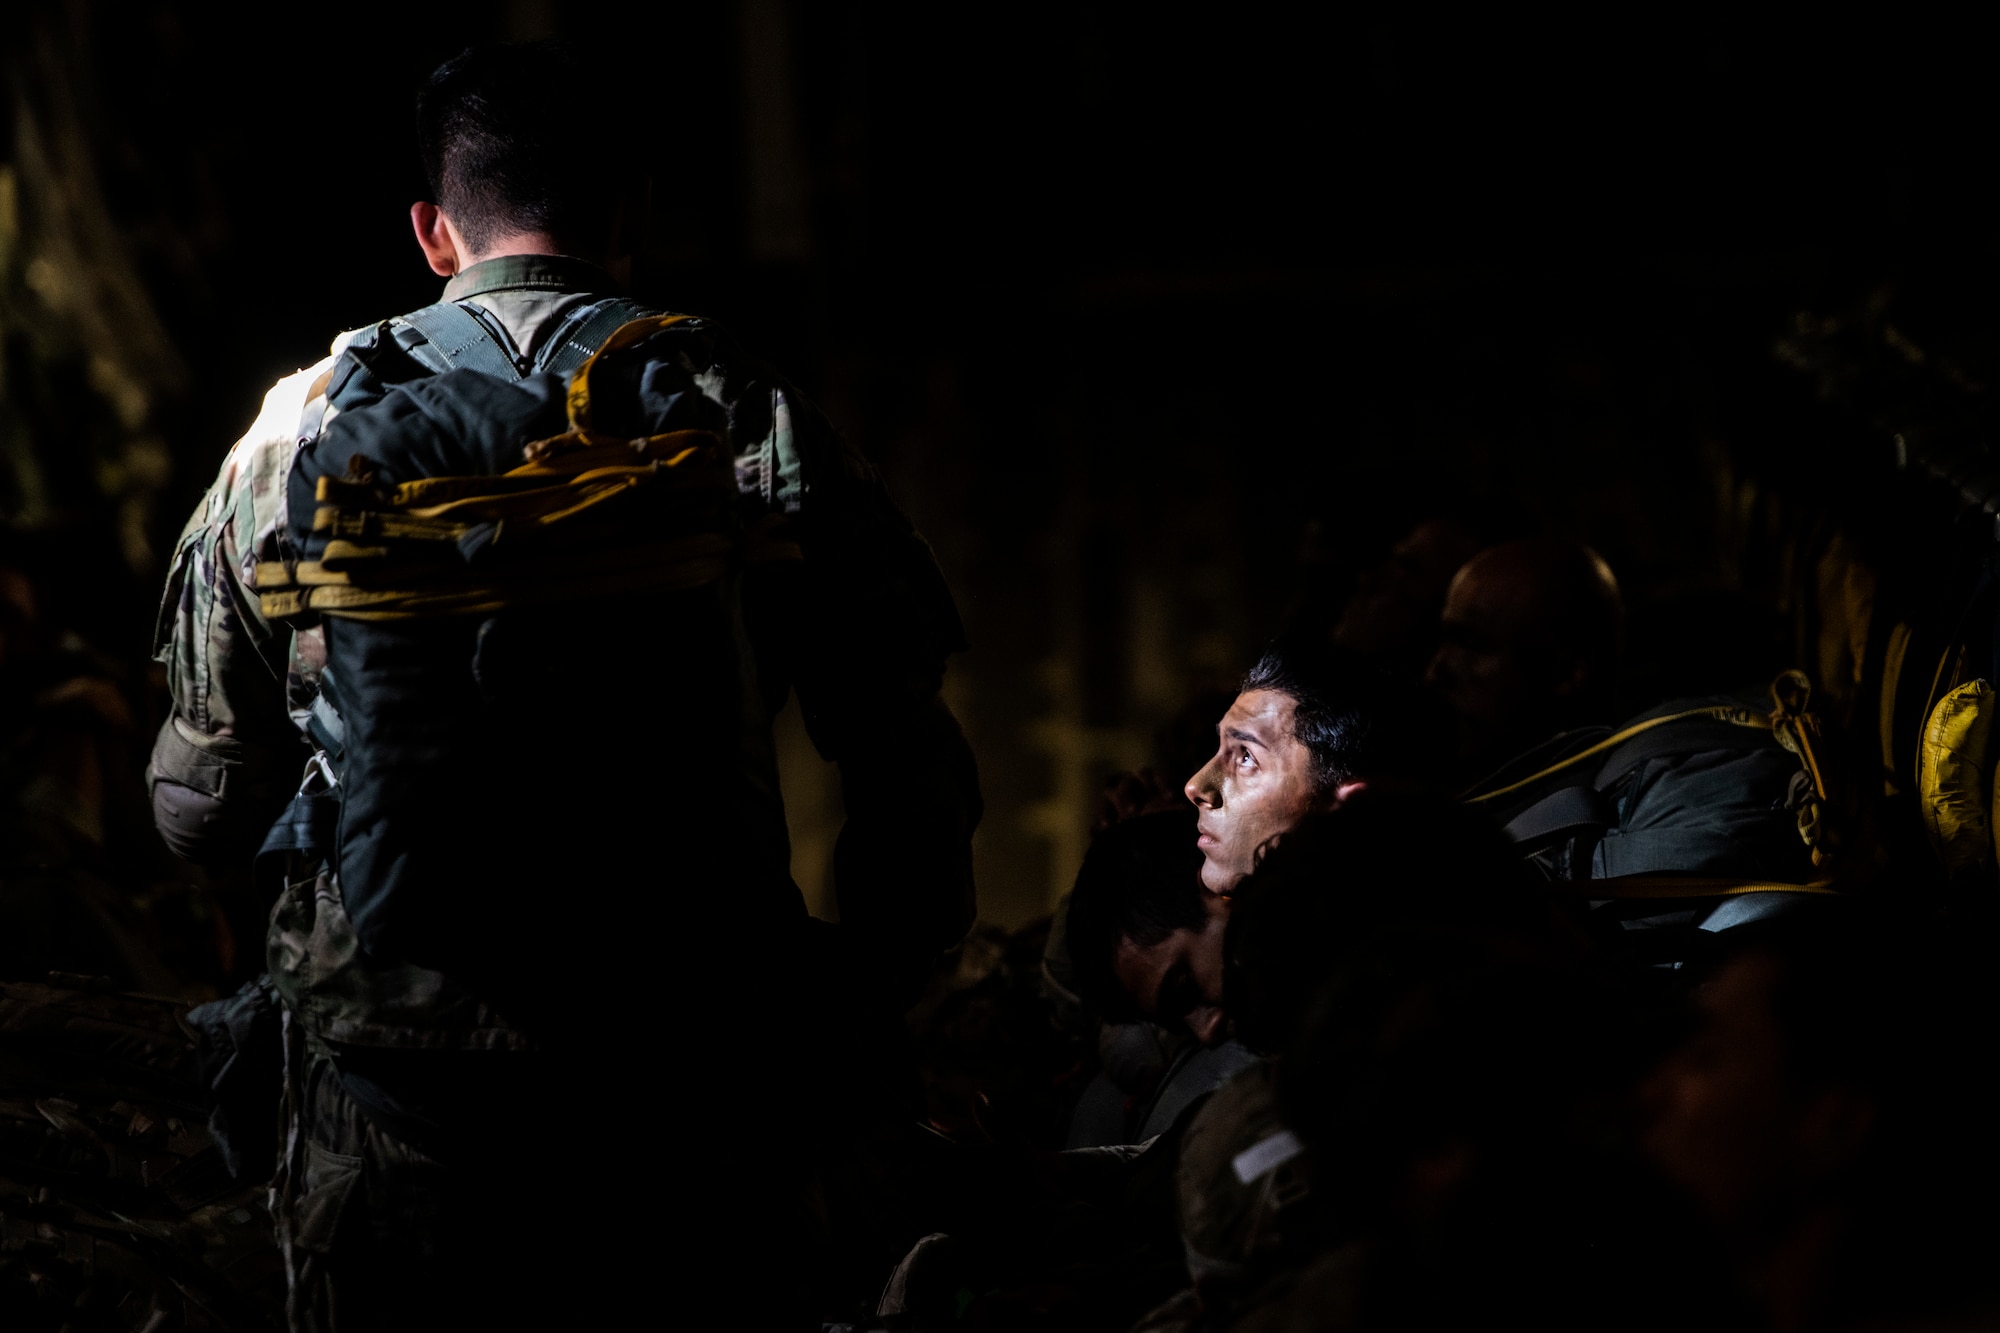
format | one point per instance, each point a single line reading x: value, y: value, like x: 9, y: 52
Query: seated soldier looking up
x: 1344, y: 891
x: 1306, y: 731
x: 1531, y: 635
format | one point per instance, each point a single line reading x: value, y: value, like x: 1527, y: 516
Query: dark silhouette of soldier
x: 560, y: 1038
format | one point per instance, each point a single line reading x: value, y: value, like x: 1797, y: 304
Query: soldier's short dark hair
x: 516, y: 138
x: 1355, y: 722
x: 1141, y: 880
x: 1384, y: 861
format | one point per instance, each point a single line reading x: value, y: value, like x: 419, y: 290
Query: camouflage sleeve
x: 228, y: 755
x: 864, y: 632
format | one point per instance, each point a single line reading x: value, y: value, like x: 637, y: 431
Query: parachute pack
x: 1720, y: 803
x: 529, y: 590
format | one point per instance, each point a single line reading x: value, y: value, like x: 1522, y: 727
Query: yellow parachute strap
x: 1686, y: 886
x: 1795, y: 725
x: 562, y: 478
x: 1790, y: 720
x: 1733, y: 714
x: 1798, y: 730
x: 687, y: 563
x: 625, y: 335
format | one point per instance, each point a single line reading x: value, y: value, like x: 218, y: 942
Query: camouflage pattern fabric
x: 860, y: 629
x: 341, y: 993
x: 1241, y: 1174
x: 115, y: 1210
x: 1241, y: 1181
x: 236, y: 680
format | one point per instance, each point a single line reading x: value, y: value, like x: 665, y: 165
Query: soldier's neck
x: 516, y: 243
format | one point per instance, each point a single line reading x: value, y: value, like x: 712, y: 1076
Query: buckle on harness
x: 319, y: 766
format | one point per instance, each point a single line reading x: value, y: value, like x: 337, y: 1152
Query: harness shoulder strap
x: 1564, y: 812
x: 1687, y: 737
x: 583, y: 331
x: 1734, y: 715
x: 1685, y: 886
x: 457, y: 339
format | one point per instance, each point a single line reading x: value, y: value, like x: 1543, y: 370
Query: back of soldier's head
x: 1382, y: 863
x: 1549, y: 594
x: 518, y: 138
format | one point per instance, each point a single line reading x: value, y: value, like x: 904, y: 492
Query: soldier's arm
x: 228, y: 756
x: 868, y: 633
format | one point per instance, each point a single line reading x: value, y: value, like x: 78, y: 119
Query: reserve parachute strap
x: 625, y: 335
x: 564, y: 479
x: 629, y: 572
x: 1733, y: 714
x: 1686, y: 886
x: 1790, y: 721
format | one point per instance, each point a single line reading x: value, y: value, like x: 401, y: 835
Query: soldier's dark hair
x: 1384, y: 861
x: 515, y: 138
x: 1354, y: 721
x: 1141, y: 880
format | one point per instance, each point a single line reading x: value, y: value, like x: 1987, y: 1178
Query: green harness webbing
x: 457, y: 339
x: 458, y: 335
x: 588, y: 328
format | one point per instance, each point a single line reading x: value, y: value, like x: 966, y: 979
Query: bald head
x: 1530, y: 641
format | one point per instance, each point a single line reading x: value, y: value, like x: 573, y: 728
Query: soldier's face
x: 1479, y: 668
x: 1497, y: 664
x: 1258, y: 786
x: 1178, y: 982
x: 1729, y: 1127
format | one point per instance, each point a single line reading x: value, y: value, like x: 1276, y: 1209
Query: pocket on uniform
x: 169, y: 613
x: 329, y: 1183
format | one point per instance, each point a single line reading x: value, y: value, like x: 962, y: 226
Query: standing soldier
x: 555, y: 1017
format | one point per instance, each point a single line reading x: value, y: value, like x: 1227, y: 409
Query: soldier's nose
x: 1205, y: 1022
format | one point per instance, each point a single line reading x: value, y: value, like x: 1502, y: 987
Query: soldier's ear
x: 435, y: 238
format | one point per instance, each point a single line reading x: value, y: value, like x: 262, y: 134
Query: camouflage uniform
x: 861, y: 630
x: 1242, y: 1184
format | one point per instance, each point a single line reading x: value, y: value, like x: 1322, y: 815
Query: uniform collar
x: 558, y: 273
